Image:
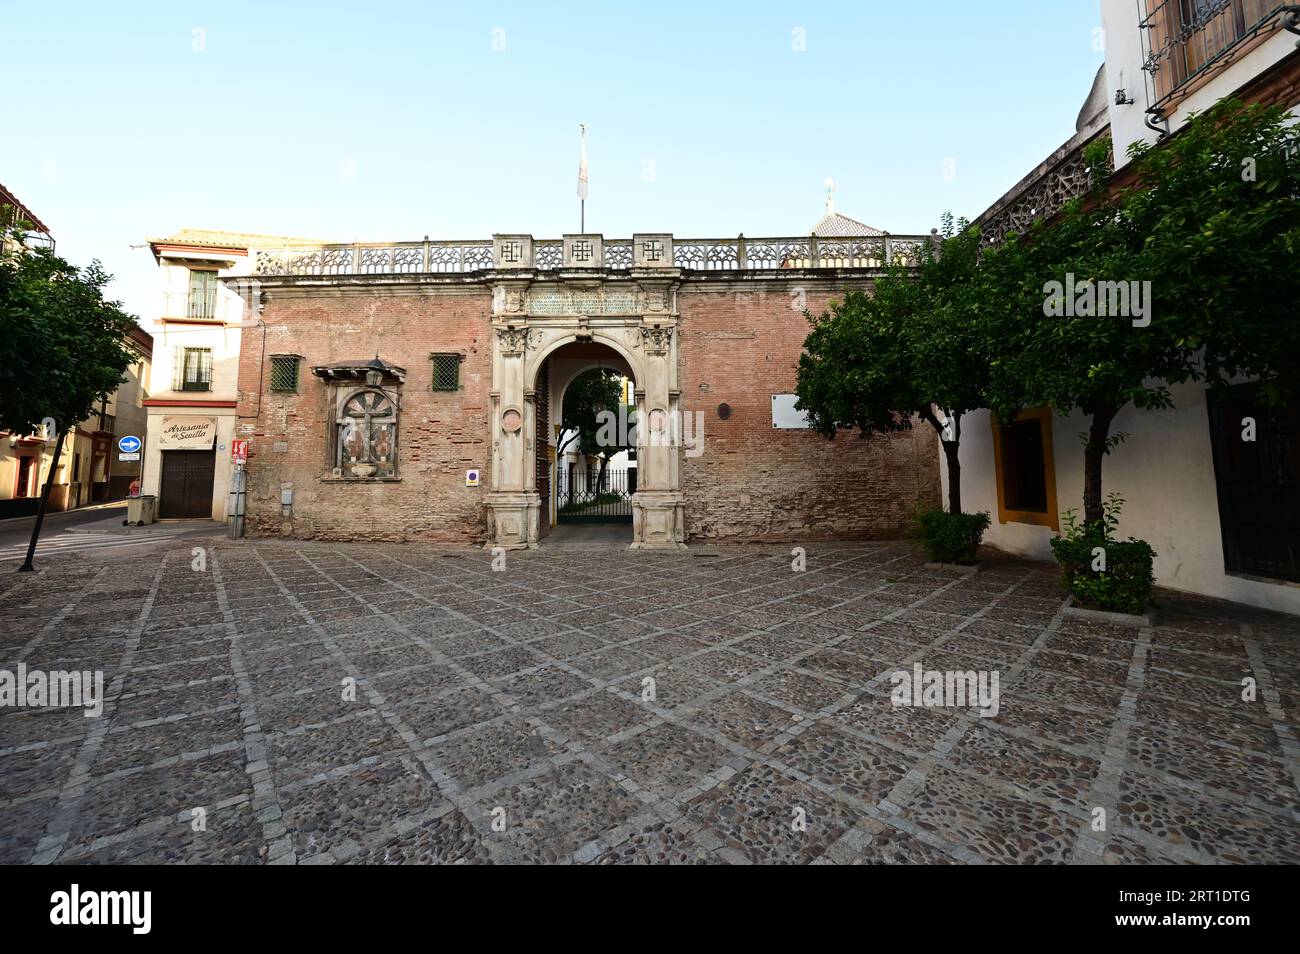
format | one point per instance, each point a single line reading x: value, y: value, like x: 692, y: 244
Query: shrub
x: 1101, y: 572
x: 951, y: 537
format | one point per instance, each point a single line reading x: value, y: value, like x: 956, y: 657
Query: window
x: 1256, y: 450
x: 24, y: 488
x: 284, y: 373
x: 76, y: 468
x: 1025, y: 470
x: 193, y: 369
x: 446, y: 372
x: 1185, y: 37
x: 203, y: 295
x: 366, y: 435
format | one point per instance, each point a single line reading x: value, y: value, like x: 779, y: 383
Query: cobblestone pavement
x: 507, y: 716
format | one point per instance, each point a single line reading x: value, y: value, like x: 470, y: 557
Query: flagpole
x: 582, y: 181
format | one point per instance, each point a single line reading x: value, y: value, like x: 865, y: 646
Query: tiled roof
x: 835, y: 225
x: 215, y: 238
x: 8, y: 198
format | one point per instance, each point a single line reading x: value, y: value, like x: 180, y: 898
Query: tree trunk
x: 600, y: 477
x: 951, y: 441
x: 950, y: 449
x: 1093, y: 454
x: 27, y: 566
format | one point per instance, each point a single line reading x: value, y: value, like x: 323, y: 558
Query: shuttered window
x: 203, y: 295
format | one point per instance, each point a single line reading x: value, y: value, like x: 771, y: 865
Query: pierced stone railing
x: 733, y: 254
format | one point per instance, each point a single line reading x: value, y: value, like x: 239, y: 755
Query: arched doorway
x: 524, y: 381
x: 589, y: 435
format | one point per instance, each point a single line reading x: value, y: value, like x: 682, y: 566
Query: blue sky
x: 396, y: 120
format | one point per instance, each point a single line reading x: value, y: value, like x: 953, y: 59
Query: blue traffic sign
x: 128, y: 444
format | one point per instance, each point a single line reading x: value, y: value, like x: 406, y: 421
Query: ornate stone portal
x: 631, y: 310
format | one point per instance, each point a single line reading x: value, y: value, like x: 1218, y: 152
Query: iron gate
x: 588, y: 496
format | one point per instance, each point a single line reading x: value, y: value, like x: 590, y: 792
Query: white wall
x: 1164, y: 471
x: 222, y: 336
x: 1120, y: 19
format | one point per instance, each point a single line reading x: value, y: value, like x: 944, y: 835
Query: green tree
x: 878, y: 362
x: 68, y: 345
x: 588, y: 401
x: 1201, y: 239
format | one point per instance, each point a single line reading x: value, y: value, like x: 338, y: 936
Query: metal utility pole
x: 27, y: 566
x: 238, y: 483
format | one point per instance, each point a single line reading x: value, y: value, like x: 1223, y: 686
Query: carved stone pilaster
x: 514, y: 341
x: 657, y: 338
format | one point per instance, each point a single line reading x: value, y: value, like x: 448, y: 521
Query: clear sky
x: 395, y: 120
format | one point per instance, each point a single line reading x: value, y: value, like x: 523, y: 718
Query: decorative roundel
x: 724, y: 411
x: 511, y: 421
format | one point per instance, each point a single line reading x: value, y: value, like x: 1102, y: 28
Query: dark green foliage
x: 916, y: 344
x: 1123, y: 583
x: 952, y: 537
x: 1210, y: 218
x: 67, y: 346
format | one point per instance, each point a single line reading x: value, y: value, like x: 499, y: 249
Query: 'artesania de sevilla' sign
x: 188, y: 433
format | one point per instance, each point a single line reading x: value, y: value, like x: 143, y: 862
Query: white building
x: 1222, y: 515
x: 193, y: 395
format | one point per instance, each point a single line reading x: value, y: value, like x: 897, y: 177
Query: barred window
x: 446, y: 372
x: 284, y: 373
x: 193, y: 370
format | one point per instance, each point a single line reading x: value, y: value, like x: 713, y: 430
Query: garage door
x: 187, y: 477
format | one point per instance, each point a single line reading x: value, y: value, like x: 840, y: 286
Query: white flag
x: 582, y: 165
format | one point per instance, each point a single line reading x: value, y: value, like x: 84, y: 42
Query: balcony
x: 1183, y: 40
x: 187, y: 306
x: 590, y: 252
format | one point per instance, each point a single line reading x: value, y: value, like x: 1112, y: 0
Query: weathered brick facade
x: 734, y: 340
x: 740, y: 344
x: 441, y: 434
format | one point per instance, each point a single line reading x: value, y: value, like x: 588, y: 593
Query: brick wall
x: 441, y: 434
x: 740, y: 344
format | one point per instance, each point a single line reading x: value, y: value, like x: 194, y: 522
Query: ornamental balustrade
x: 543, y: 255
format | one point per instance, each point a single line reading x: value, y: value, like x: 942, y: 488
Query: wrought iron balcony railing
x: 191, y: 306
x: 1182, y: 39
x: 734, y: 254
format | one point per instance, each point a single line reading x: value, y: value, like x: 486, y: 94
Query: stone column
x: 512, y: 499
x: 658, y: 511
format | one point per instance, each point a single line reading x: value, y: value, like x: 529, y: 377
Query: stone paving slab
x: 378, y: 704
